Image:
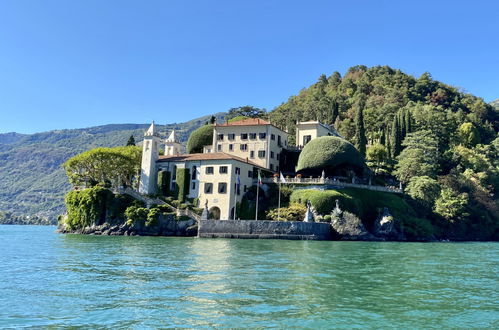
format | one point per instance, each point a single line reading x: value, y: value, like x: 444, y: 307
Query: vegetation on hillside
x: 420, y: 131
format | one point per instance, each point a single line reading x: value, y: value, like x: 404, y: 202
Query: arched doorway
x: 214, y: 213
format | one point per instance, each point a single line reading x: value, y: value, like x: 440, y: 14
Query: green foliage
x: 117, y: 165
x: 423, y: 189
x: 164, y: 179
x: 131, y: 141
x: 417, y: 228
x: 152, y: 217
x: 136, y: 214
x: 87, y: 207
x: 182, y: 184
x: 246, y: 111
x: 294, y: 212
x: 360, y: 139
x: 419, y: 158
x: 237, y: 118
x: 330, y: 153
x: 450, y: 205
x: 469, y: 135
x: 199, y: 138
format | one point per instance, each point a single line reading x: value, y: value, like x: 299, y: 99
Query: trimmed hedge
x: 164, y: 179
x: 199, y: 138
x: 182, y: 184
x: 329, y: 152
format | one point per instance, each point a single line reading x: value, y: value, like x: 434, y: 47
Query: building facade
x: 306, y: 131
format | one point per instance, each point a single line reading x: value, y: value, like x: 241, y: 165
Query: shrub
x: 294, y: 212
x: 136, y: 214
x: 329, y: 152
x: 182, y: 184
x: 417, y: 228
x: 152, y: 217
x: 164, y: 178
x: 199, y: 138
x: 424, y: 189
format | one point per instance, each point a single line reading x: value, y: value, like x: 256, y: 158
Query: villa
x: 226, y: 169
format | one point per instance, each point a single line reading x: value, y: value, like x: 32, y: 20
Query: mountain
x: 495, y: 104
x: 32, y: 181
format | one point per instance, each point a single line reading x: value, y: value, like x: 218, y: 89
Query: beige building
x: 306, y: 131
x: 252, y: 139
x: 213, y: 178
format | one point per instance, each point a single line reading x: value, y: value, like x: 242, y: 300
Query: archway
x: 214, y: 213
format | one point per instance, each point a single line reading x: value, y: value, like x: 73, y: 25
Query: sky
x: 81, y: 63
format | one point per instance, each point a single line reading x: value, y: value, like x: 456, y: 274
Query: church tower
x: 173, y: 146
x: 148, y: 172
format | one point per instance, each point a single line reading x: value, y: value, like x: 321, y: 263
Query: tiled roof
x: 247, y: 122
x: 205, y: 156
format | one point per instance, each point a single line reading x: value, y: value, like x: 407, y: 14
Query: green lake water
x: 53, y: 280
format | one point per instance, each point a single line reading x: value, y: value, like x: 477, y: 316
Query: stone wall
x: 264, y: 229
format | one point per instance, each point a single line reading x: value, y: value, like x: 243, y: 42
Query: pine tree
x: 131, y: 141
x: 360, y: 132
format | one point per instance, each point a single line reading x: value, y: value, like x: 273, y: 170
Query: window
x: 220, y: 137
x: 263, y: 136
x: 208, y: 188
x: 279, y: 140
x: 194, y: 174
x: 272, y: 154
x: 231, y: 136
x: 272, y: 136
x: 252, y: 136
x: 306, y: 139
x: 277, y: 156
x: 261, y: 153
x: 193, y: 186
x: 209, y: 170
x: 252, y: 154
x: 219, y: 147
x: 271, y: 167
x: 250, y: 174
x: 244, y: 136
x: 174, y: 173
x: 222, y: 170
x: 245, y: 188
x: 244, y: 147
x: 237, y: 188
x: 238, y: 170
x: 231, y: 147
x: 222, y: 187
x: 277, y: 168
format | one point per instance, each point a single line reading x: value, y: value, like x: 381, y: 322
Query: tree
x: 423, y: 189
x: 360, y: 139
x: 199, y: 138
x: 468, y: 135
x: 115, y: 166
x: 450, y: 205
x: 419, y: 158
x: 246, y: 111
x: 395, y: 140
x: 131, y: 141
x: 376, y: 155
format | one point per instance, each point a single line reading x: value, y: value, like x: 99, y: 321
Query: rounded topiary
x: 329, y: 153
x: 199, y: 138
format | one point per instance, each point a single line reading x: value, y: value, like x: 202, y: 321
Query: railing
x: 337, y: 183
x: 188, y: 213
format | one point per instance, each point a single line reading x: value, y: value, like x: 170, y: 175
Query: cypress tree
x: 408, y: 123
x: 402, y: 124
x: 360, y: 132
x: 131, y: 141
x: 335, y: 110
x: 395, y: 138
x: 388, y: 145
x: 382, y: 138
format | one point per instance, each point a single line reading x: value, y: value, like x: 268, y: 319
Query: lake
x: 54, y: 280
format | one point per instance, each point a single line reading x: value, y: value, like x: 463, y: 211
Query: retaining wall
x: 264, y: 229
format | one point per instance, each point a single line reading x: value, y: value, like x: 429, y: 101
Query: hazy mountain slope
x: 495, y: 104
x: 32, y: 181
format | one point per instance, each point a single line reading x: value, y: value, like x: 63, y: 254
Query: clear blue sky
x: 80, y: 63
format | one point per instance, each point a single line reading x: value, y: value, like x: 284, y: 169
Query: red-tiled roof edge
x: 247, y: 122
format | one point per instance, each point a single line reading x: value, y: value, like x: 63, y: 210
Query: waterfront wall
x: 264, y: 229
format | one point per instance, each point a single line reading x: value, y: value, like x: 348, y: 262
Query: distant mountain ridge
x: 495, y: 104
x: 32, y: 181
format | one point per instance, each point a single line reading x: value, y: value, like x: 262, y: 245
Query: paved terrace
x: 336, y: 183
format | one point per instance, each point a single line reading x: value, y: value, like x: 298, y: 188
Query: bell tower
x: 173, y: 146
x: 148, y: 172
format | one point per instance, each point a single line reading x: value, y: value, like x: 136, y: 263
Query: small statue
x: 309, y: 216
x: 205, y: 214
